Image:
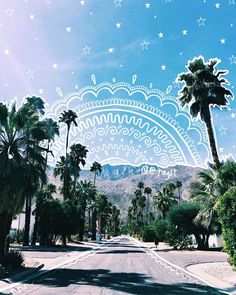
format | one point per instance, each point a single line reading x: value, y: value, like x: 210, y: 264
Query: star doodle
x: 87, y: 50
x: 7, y: 51
x: 118, y: 3
x: 201, y: 22
x: 161, y: 35
x: 118, y: 25
x: 110, y: 50
x: 55, y: 66
x: 9, y: 11
x: 82, y: 2
x: 144, y: 45
x: 221, y: 150
x: 184, y: 32
x: 163, y: 67
x: 147, y: 5
x: 222, y: 41
x: 40, y: 91
x: 217, y: 5
x: 222, y: 130
x: 31, y: 16
x: 68, y: 29
x: 233, y: 115
x: 232, y: 60
x: 30, y: 74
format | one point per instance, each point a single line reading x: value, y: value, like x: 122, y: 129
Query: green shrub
x: 226, y: 208
x: 177, y: 239
x: 149, y: 233
x: 13, y: 259
x: 161, y: 228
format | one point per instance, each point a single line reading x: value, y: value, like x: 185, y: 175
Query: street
x: 119, y: 268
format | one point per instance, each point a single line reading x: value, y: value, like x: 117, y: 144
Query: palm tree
x: 85, y: 192
x: 203, y: 88
x: 96, y: 168
x: 68, y: 117
x: 179, y: 187
x: 77, y: 155
x: 21, y: 163
x: 148, y: 192
x: 165, y: 199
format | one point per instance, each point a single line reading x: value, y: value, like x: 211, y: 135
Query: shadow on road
x: 130, y: 283
x: 51, y: 249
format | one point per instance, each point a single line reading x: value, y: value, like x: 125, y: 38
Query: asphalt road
x: 119, y: 268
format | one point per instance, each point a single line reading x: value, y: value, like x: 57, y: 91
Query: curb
x: 24, y: 274
x: 179, y: 268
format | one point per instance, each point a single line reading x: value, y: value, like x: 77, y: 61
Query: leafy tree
x: 204, y: 87
x: 182, y: 216
x: 179, y: 186
x: 226, y: 207
x: 114, y: 222
x: 103, y: 207
x: 165, y: 199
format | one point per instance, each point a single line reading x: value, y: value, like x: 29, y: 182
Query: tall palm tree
x: 78, y: 154
x: 96, y: 168
x: 85, y: 192
x: 165, y: 199
x: 69, y: 118
x: 203, y: 88
x: 148, y: 192
x: 179, y: 187
x: 21, y: 163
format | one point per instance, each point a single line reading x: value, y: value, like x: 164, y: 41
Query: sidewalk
x: 211, y: 266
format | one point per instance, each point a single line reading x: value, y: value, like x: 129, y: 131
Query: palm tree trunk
x: 27, y: 220
x: 4, y: 231
x: 211, y: 136
x: 94, y: 225
x: 66, y: 168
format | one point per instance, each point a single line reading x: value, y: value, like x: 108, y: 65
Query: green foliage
x: 182, y: 217
x: 177, y: 238
x: 226, y: 207
x: 149, y: 233
x: 161, y: 229
x: 13, y: 259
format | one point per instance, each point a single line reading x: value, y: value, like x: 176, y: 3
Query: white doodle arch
x: 128, y: 124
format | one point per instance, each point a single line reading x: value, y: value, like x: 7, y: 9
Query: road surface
x: 119, y: 268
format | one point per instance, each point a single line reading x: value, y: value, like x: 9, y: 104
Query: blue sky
x: 49, y: 43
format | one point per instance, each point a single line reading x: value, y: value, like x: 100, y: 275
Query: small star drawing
x: 163, y: 67
x: 147, y: 5
x: 217, y: 5
x: 7, y: 51
x: 82, y: 2
x: 40, y: 91
x: 30, y: 74
x: 222, y: 130
x: 118, y: 25
x: 233, y: 115
x: 9, y: 11
x: 184, y: 32
x: 161, y: 35
x: 222, y: 41
x: 221, y: 150
x: 87, y: 50
x: 118, y: 3
x: 31, y: 17
x: 144, y: 45
x: 55, y: 66
x: 110, y: 50
x: 232, y: 59
x: 201, y: 22
x: 68, y: 29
